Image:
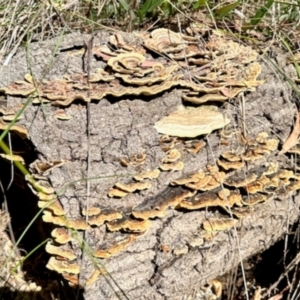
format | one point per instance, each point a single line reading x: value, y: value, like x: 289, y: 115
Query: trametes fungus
x: 79, y: 224
x: 19, y: 130
x: 215, y: 224
x: 172, y: 156
x: 45, y: 167
x: 148, y: 213
x: 194, y: 146
x: 227, y: 165
x: 133, y: 187
x: 149, y: 174
x: 61, y: 266
x: 54, y: 206
x: 58, y: 251
x: 61, y: 115
x: 196, y: 177
x: 61, y: 235
x: 128, y: 224
x: 117, y: 247
x: 212, y: 199
x: 173, y: 200
x: 92, y: 211
x: 116, y: 193
x: 104, y: 216
x: 176, y: 166
x: 192, y: 121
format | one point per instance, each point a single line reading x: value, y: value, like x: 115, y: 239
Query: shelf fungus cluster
x: 218, y: 70
x: 226, y: 186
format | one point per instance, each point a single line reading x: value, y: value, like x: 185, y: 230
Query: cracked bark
x: 124, y: 127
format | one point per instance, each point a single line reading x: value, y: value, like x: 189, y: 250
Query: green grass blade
x: 287, y: 46
x: 260, y: 13
x: 124, y: 5
x: 20, y: 112
x: 148, y: 7
x: 27, y: 255
x: 226, y: 9
x: 199, y: 3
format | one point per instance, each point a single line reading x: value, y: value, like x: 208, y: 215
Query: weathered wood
x: 124, y: 127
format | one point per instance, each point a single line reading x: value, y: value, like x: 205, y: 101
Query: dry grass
x: 25, y: 21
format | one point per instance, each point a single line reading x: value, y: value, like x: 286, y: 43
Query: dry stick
x: 87, y: 68
x: 185, y: 56
x: 295, y: 275
x: 89, y: 48
x: 60, y: 16
x: 293, y: 138
x: 287, y: 237
x: 243, y: 111
x: 12, y: 163
x: 289, y: 268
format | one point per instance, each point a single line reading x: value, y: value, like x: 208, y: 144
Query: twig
x: 89, y: 49
x: 289, y: 268
x: 87, y: 68
x: 60, y: 16
x: 293, y: 138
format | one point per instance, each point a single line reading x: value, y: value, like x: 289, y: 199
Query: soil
x: 124, y: 127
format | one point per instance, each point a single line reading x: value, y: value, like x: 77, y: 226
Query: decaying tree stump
x: 124, y: 127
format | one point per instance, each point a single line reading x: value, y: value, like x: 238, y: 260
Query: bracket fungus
x: 61, y: 235
x: 133, y: 187
x: 54, y: 206
x: 92, y: 211
x: 19, y: 130
x: 192, y: 121
x: 129, y: 225
x: 227, y: 165
x: 117, y: 247
x: 211, y: 199
x: 218, y: 224
x: 196, y: 177
x: 260, y: 184
x: 54, y: 250
x: 104, y: 216
x: 172, y: 156
x: 149, y: 213
x: 149, y: 174
x: 175, y: 166
x: 61, y: 266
